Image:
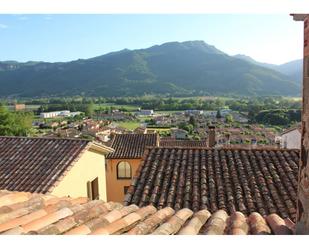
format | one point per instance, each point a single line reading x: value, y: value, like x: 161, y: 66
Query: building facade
x: 61, y: 167
x: 291, y: 139
x: 122, y: 164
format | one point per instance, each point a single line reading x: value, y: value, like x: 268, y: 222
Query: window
x: 124, y: 170
x: 125, y: 189
x: 93, y: 189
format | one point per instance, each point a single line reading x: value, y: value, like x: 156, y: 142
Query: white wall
x: 291, y: 140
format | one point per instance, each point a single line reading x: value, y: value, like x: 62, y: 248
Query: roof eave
x: 299, y: 17
x: 101, y: 148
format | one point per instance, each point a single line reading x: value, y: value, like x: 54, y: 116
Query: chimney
x: 211, y: 136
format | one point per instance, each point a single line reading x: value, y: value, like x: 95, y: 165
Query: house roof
x: 38, y: 164
x: 131, y: 145
x: 182, y: 143
x: 298, y: 127
x: 299, y: 17
x: 26, y: 213
x: 252, y: 180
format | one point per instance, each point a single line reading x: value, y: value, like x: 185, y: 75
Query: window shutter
x: 89, y: 190
x: 95, y: 189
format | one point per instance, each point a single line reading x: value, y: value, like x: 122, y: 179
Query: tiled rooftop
x: 26, y: 213
x: 36, y: 164
x: 131, y: 145
x: 257, y: 180
x: 182, y: 143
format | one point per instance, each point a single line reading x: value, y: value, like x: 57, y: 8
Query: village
x: 231, y: 128
x: 154, y: 172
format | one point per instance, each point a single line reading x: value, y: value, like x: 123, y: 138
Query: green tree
x: 218, y: 114
x: 229, y: 118
x: 15, y: 123
x: 90, y: 109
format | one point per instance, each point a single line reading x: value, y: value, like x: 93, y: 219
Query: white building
x: 291, y: 139
x: 64, y: 113
x: 179, y: 133
x: 146, y: 112
x: 194, y: 112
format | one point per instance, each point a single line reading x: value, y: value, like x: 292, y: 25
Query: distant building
x: 194, y: 112
x: 291, y: 138
x: 211, y: 114
x: 54, y: 114
x: 19, y: 107
x: 179, y: 133
x: 225, y: 112
x: 145, y: 112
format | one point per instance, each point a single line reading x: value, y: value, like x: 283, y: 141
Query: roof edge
x: 299, y: 17
x: 101, y: 148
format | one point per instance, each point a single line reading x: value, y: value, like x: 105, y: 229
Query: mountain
x: 293, y: 69
x: 175, y: 68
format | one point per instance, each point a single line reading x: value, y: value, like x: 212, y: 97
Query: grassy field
x: 131, y: 125
x: 294, y: 98
x: 130, y: 108
x: 158, y: 129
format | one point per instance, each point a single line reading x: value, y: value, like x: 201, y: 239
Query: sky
x: 271, y: 38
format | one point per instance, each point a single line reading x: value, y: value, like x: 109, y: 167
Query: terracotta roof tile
x: 252, y: 180
x: 131, y: 145
x: 195, y: 224
x: 183, y: 143
x: 217, y: 223
x: 74, y: 216
x: 278, y: 225
x: 151, y: 223
x: 174, y: 224
x: 258, y: 225
x: 127, y: 222
x: 35, y: 164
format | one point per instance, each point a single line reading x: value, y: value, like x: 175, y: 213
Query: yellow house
x: 61, y: 167
x: 123, y: 163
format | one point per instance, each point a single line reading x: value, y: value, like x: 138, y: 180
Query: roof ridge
x: 222, y: 148
x: 47, y: 138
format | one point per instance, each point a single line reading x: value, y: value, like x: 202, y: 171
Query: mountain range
x: 173, y: 68
x: 293, y: 69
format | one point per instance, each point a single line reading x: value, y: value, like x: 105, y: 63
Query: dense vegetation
x: 15, y: 123
x: 174, y: 69
x: 278, y: 117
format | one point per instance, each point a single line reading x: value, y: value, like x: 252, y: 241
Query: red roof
x: 26, y: 213
x: 253, y: 180
x: 131, y: 145
x: 36, y: 164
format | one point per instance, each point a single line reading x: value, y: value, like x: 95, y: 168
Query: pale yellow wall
x: 115, y: 187
x: 89, y: 166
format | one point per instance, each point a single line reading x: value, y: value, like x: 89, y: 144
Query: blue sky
x: 268, y: 38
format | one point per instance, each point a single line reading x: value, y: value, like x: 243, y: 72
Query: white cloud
x: 3, y: 26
